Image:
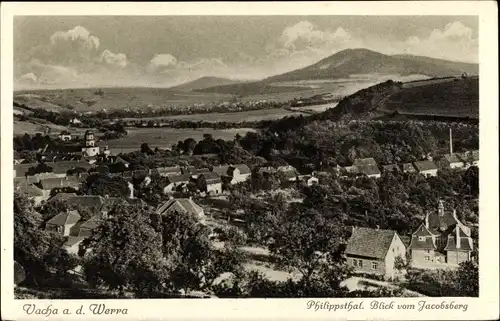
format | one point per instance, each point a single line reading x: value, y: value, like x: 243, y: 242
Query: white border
x: 485, y: 307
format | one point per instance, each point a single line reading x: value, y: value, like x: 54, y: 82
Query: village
x: 442, y: 240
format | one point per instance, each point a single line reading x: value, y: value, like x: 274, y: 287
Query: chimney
x: 451, y: 143
x: 441, y: 208
x: 131, y: 189
x: 427, y: 220
x: 457, y: 237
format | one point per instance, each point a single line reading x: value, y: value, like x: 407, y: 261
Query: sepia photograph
x: 245, y: 156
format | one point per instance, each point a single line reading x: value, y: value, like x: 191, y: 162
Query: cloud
x: 454, y: 42
x: 76, y: 35
x: 68, y: 57
x: 162, y: 61
x: 28, y: 78
x: 305, y: 35
x: 113, y: 59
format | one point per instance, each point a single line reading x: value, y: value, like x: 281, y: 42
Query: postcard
x: 267, y: 160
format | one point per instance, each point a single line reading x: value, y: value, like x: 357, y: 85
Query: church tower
x: 89, y: 148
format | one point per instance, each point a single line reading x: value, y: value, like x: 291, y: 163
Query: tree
x: 145, y: 149
x: 310, y: 244
x: 40, y: 253
x: 196, y: 264
x: 468, y: 279
x: 39, y: 168
x: 126, y: 253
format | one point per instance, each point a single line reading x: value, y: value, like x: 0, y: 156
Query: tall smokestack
x: 451, y: 143
x: 131, y: 189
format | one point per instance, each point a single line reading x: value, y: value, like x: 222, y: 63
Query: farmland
x: 165, y: 137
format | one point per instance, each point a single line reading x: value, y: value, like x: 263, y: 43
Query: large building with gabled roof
x: 441, y: 241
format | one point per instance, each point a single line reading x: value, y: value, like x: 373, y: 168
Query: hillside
x: 349, y: 64
x: 205, y: 82
x: 453, y: 98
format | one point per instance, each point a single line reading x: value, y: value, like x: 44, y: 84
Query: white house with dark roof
x: 175, y: 182
x: 453, y: 161
x: 374, y: 251
x: 239, y: 173
x: 441, y: 241
x: 62, y: 222
x: 426, y: 167
x: 181, y: 206
x: 214, y: 183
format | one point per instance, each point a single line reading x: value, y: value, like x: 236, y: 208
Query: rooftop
x: 70, y: 217
x: 369, y: 242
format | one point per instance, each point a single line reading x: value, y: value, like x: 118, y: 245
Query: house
x: 426, y: 167
x: 61, y: 168
x: 88, y: 227
x: 169, y: 171
x: 65, y: 136
x: 47, y: 184
x: 441, y: 241
x: 453, y: 161
x: 174, y: 182
x: 21, y: 170
x: 91, y: 202
x: 368, y: 170
x: 32, y: 192
x: 222, y: 170
x: 309, y: 180
x: 390, y: 168
x: 470, y: 158
x: 72, y: 244
x: 181, y: 206
x: 364, y: 162
x: 61, y: 197
x: 239, y: 173
x: 408, y: 168
x: 195, y: 173
x: 374, y: 251
x: 214, y: 183
x: 62, y: 222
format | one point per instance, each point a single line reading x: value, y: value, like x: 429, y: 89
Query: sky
x: 162, y: 51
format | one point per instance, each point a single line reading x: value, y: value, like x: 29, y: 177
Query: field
x: 252, y: 115
x: 450, y: 98
x: 87, y: 99
x: 165, y: 137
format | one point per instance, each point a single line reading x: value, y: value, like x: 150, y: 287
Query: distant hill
x: 363, y: 61
x: 349, y: 63
x: 205, y: 82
